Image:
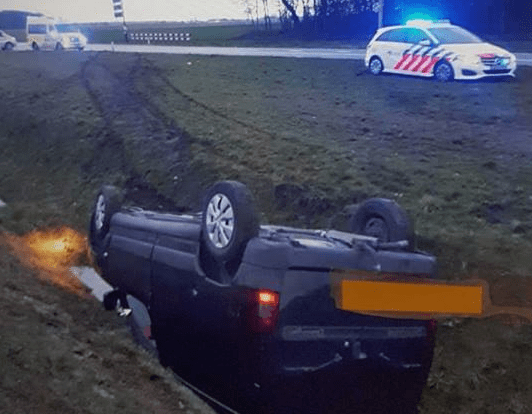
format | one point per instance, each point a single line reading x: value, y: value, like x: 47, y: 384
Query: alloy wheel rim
x: 375, y: 66
x: 220, y: 221
x: 444, y: 72
x: 376, y: 227
x: 99, y: 213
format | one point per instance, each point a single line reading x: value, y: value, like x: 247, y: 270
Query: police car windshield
x: 450, y: 35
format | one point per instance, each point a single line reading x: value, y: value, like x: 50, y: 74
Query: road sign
x: 118, y: 8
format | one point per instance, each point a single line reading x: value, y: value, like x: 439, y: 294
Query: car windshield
x: 450, y: 35
x: 65, y: 28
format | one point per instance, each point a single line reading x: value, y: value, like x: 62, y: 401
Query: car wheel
x: 108, y: 201
x: 443, y: 71
x: 35, y: 46
x: 9, y: 46
x: 375, y: 66
x: 58, y: 46
x: 383, y: 219
x: 229, y: 220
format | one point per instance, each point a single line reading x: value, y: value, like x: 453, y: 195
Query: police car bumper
x: 483, y: 71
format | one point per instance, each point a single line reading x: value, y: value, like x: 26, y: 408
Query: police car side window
x: 395, y: 35
x: 415, y: 35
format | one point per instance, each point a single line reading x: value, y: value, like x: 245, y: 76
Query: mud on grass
x: 309, y: 137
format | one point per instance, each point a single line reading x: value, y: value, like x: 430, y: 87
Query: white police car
x: 436, y: 49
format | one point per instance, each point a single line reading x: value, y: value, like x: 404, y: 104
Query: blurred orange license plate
x: 412, y: 296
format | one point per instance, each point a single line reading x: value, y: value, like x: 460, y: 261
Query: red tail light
x: 263, y: 310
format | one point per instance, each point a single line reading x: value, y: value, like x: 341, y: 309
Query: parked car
x: 244, y: 311
x: 7, y: 42
x: 436, y: 49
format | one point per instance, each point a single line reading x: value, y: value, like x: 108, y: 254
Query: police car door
x: 414, y: 56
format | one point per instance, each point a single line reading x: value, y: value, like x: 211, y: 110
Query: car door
x: 391, y: 46
x: 174, y: 306
x: 129, y: 254
x: 419, y: 46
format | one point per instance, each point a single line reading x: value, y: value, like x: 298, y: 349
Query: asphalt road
x: 358, y: 54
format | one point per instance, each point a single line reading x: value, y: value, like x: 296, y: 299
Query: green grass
x: 308, y: 137
x: 310, y: 125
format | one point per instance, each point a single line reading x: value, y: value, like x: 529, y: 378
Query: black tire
x: 443, y: 71
x: 384, y: 219
x: 9, y: 46
x: 58, y: 46
x: 107, y: 202
x: 35, y: 46
x: 375, y: 66
x: 229, y: 220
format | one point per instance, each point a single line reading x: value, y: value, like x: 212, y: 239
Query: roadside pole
x: 381, y: 11
x: 118, y: 10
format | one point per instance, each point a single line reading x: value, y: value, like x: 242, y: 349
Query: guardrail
x: 159, y: 37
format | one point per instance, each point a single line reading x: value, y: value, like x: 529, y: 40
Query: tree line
x: 352, y: 18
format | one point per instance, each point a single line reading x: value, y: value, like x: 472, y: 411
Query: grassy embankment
x: 308, y: 137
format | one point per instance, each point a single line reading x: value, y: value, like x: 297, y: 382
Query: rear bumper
x: 352, y: 369
x: 365, y: 386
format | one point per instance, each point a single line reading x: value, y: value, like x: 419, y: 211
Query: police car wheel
x: 443, y: 72
x: 375, y: 66
x: 35, y: 46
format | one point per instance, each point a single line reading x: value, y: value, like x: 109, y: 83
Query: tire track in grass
x: 199, y: 104
x: 240, y: 150
x: 136, y: 139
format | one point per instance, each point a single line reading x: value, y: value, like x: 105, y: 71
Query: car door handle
x: 194, y: 292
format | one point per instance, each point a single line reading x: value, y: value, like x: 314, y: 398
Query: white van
x: 42, y: 34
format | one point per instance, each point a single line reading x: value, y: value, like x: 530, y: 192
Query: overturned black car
x: 244, y: 311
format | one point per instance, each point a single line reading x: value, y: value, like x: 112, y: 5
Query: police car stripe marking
x: 431, y: 64
x: 414, y: 58
x: 401, y: 61
x: 421, y: 62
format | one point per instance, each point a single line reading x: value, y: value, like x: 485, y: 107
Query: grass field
x: 308, y: 137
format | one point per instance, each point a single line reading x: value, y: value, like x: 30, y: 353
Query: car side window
x: 394, y: 35
x: 415, y: 35
x: 37, y: 29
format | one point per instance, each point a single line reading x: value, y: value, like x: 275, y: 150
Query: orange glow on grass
x: 52, y: 252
